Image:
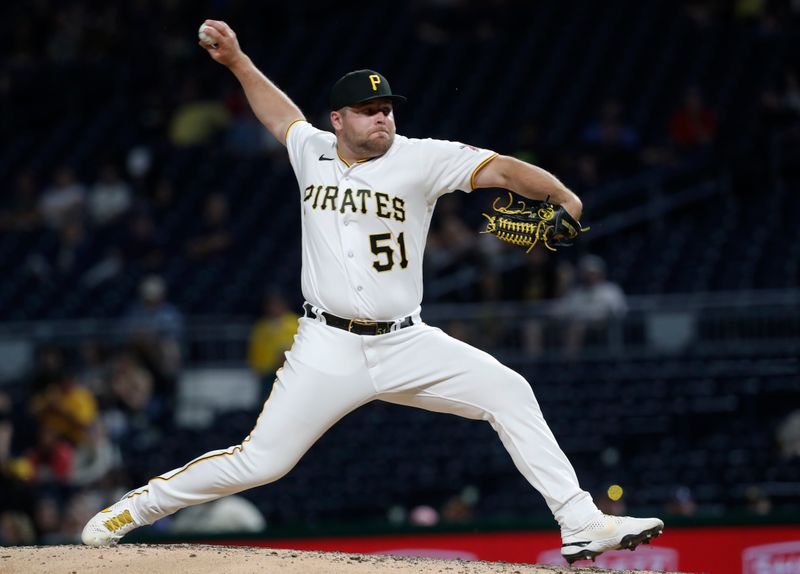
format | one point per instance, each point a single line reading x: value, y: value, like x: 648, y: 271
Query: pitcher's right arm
x: 271, y: 106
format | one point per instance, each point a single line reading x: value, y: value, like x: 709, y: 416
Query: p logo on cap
x: 374, y: 79
x: 361, y: 86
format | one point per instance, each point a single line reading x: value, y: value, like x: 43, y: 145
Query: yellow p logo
x: 374, y: 79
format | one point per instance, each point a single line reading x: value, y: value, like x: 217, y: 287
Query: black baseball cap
x: 361, y: 86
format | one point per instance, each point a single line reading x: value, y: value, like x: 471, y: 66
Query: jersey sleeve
x: 453, y: 165
x: 298, y: 135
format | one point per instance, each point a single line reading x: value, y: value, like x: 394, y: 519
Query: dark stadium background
x: 688, y: 399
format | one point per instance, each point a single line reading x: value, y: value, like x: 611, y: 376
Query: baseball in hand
x: 205, y: 38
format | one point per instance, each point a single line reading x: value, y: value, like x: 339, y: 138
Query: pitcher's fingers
x: 220, y: 27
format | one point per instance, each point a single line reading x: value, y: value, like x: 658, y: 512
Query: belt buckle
x: 363, y: 324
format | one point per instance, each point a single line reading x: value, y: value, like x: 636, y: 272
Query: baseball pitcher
x: 366, y: 196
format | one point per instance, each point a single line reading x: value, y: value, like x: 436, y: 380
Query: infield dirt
x: 203, y: 559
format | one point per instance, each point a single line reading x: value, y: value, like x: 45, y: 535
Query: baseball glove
x: 526, y: 225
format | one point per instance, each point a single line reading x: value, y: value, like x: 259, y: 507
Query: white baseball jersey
x: 365, y: 224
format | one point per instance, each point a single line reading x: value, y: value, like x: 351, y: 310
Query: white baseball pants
x: 330, y: 372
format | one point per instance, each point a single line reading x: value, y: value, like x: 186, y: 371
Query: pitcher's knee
x: 268, y: 467
x: 513, y: 387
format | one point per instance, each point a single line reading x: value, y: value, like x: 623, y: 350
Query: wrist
x: 240, y: 64
x: 573, y: 206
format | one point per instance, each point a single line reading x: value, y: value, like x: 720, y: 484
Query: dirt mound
x: 203, y: 559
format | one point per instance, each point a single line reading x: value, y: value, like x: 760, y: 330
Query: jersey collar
x: 348, y: 164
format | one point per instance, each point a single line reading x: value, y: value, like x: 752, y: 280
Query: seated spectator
x: 130, y: 397
x: 214, y: 237
x: 95, y: 457
x: 71, y: 255
x: 611, y: 142
x: 131, y: 384
x: 110, y: 197
x: 64, y: 201
x: 452, y: 245
x: 135, y: 415
x: 271, y: 336
x: 694, y: 124
x: 154, y: 327
x: 66, y: 408
x: 50, y: 459
x: 587, y: 308
x: 246, y: 137
x: 196, y: 121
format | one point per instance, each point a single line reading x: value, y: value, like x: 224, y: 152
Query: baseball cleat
x: 609, y: 533
x: 108, y: 526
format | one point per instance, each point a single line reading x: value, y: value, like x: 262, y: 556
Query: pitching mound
x: 202, y: 559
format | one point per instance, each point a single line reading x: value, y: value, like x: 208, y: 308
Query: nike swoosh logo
x: 323, y: 158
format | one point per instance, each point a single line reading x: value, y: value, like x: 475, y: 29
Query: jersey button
x: 349, y: 253
x: 359, y: 288
x: 346, y: 223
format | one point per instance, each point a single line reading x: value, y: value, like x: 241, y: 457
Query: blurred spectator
x: 271, y: 336
x: 110, y: 197
x: 21, y: 212
x: 139, y: 167
x: 788, y: 435
x: 47, y: 518
x: 135, y: 414
x: 756, y: 501
x: 50, y: 460
x: 423, y: 515
x: 247, y: 137
x: 460, y: 508
x: 780, y: 105
x: 131, y: 384
x: 682, y: 502
x: 588, y: 307
x: 155, y: 328
x: 749, y: 9
x: 230, y: 514
x: 71, y: 254
x: 694, y: 124
x: 452, y: 245
x: 16, y: 529
x: 215, y: 236
x: 64, y: 201
x: 142, y: 243
x: 196, y: 121
x: 65, y: 407
x: 611, y: 142
x: 94, y: 458
x: 140, y: 248
x: 535, y: 280
x: 94, y: 369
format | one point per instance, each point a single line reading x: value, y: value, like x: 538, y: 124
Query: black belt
x: 358, y: 326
